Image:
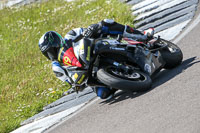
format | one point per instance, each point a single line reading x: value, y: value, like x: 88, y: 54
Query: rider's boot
x: 105, y: 92
x: 149, y: 33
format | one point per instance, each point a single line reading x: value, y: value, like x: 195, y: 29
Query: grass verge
x: 26, y: 80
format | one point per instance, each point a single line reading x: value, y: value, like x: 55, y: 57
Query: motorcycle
x: 120, y: 63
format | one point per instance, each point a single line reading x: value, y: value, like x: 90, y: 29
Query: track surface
x: 171, y: 106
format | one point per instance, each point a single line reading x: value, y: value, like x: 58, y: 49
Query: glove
x: 91, y: 30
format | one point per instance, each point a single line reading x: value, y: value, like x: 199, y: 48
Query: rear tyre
x: 133, y: 81
x: 172, y: 55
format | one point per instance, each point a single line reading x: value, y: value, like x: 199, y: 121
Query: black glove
x: 91, y: 30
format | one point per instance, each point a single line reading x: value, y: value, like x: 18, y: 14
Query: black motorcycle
x: 121, y: 63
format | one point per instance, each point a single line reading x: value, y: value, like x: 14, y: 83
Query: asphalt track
x: 171, y: 106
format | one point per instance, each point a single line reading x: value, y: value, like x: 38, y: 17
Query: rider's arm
x: 74, y: 33
x: 60, y: 72
x: 110, y: 27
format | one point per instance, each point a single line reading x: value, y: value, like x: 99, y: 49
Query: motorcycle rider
x: 51, y: 42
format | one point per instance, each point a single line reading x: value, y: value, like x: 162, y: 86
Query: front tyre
x: 132, y: 81
x: 172, y: 54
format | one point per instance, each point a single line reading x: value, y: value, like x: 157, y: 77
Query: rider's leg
x: 112, y: 27
x: 138, y: 35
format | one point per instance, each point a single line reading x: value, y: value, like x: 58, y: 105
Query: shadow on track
x: 160, y: 78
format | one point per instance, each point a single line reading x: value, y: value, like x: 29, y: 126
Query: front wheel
x: 172, y: 54
x: 132, y: 81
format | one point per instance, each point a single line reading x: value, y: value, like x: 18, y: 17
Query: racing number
x: 67, y: 61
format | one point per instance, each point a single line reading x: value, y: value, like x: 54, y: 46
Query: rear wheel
x: 172, y: 54
x: 128, y: 81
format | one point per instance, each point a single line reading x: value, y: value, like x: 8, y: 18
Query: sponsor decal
x: 117, y: 48
x: 75, y: 75
x: 88, y: 54
x: 124, y: 42
x: 147, y: 68
x: 81, y: 79
x: 43, y: 48
x: 60, y: 53
x: 116, y: 63
x: 112, y: 42
x: 81, y: 48
x: 105, y: 43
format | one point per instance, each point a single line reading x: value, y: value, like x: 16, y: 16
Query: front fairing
x: 78, y: 77
x: 82, y: 54
x: 84, y: 51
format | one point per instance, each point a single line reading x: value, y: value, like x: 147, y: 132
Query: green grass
x: 25, y: 74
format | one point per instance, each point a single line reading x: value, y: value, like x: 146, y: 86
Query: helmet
x: 50, y: 44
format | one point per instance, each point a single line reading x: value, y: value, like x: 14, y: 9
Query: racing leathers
x: 101, y: 29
